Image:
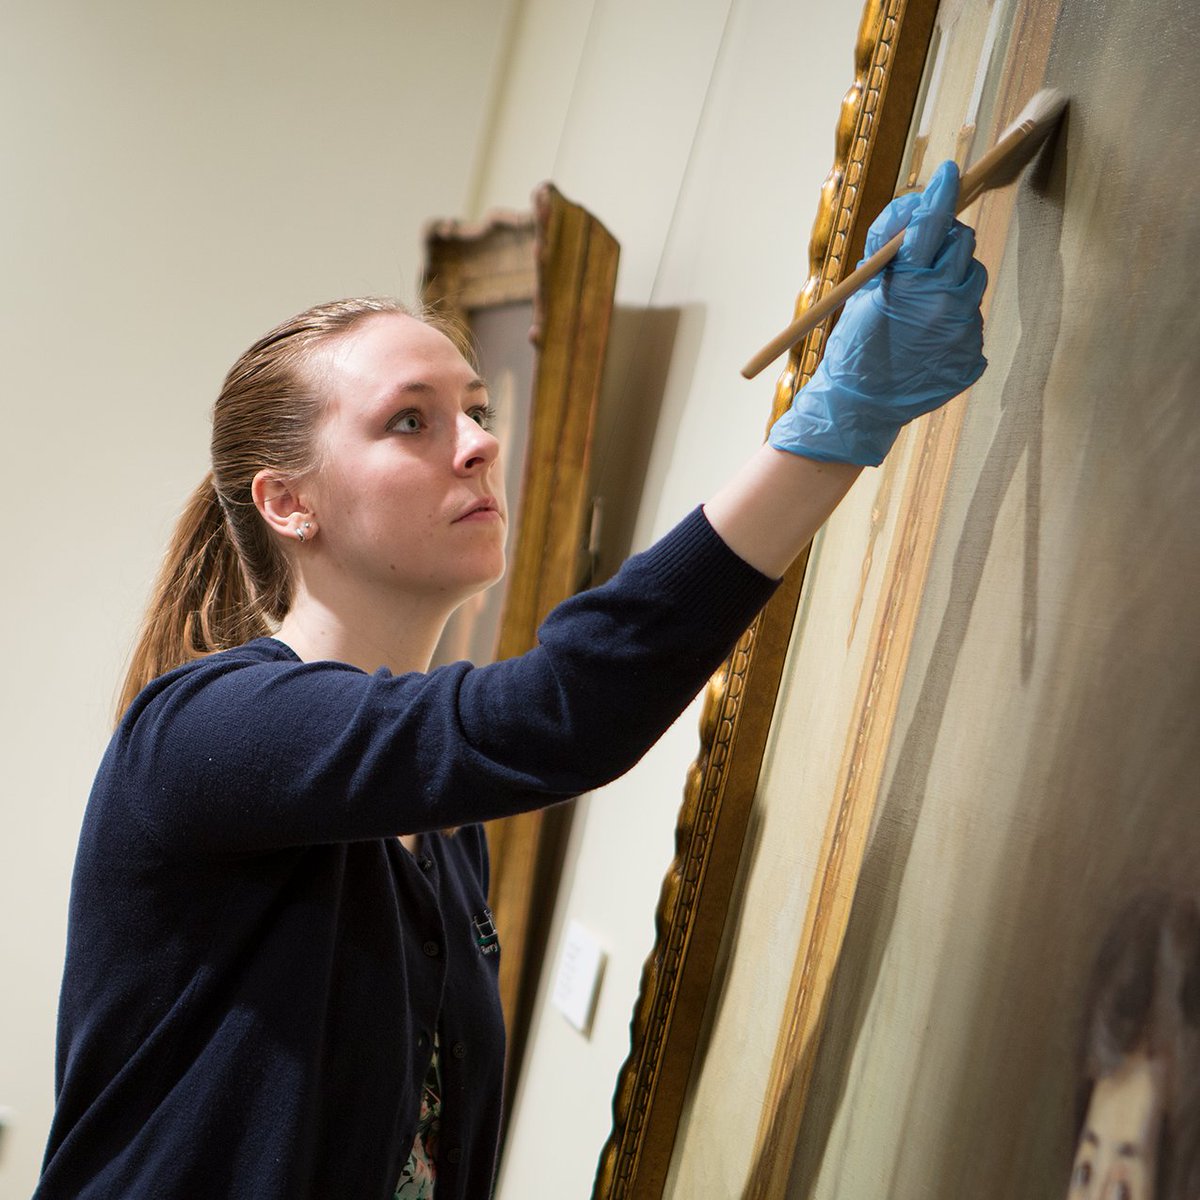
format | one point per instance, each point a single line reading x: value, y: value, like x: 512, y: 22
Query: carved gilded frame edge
x: 564, y: 260
x: 677, y: 976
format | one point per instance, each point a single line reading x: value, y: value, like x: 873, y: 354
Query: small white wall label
x: 577, y: 984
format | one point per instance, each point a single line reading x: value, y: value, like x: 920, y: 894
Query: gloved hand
x: 907, y: 342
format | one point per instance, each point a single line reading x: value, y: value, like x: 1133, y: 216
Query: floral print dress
x: 420, y: 1172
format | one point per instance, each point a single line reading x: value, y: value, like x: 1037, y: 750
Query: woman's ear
x: 285, y: 511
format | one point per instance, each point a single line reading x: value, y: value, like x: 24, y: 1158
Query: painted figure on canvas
x: 1139, y: 1096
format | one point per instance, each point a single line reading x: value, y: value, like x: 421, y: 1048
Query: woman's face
x: 409, y: 496
x: 1117, y: 1154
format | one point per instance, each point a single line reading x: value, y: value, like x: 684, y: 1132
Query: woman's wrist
x: 770, y: 510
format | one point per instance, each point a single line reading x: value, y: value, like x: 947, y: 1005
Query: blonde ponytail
x: 201, y: 600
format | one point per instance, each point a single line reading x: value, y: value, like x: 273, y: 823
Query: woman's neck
x: 383, y: 633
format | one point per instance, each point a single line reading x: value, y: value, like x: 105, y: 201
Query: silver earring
x: 300, y: 531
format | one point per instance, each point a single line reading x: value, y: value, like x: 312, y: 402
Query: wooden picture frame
x: 870, y: 138
x: 535, y: 293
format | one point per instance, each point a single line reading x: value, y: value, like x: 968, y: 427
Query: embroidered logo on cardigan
x: 486, y: 937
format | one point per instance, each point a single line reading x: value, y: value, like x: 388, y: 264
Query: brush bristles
x: 1042, y: 111
x: 1015, y: 146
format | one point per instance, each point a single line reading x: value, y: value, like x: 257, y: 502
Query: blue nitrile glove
x: 907, y: 341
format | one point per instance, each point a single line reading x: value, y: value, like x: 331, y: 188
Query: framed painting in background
x: 975, y: 810
x: 535, y: 293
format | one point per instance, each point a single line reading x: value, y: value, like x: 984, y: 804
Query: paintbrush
x: 999, y: 166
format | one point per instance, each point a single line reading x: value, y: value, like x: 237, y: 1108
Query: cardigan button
x: 454, y: 1155
x: 422, y: 1041
x: 432, y: 949
x: 459, y: 1050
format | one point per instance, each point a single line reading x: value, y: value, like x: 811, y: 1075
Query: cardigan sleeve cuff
x: 704, y: 577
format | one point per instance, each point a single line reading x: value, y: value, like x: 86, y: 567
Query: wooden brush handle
x: 820, y: 309
x: 993, y: 168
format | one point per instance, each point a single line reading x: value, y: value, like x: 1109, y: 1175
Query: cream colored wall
x: 177, y: 179
x: 699, y: 133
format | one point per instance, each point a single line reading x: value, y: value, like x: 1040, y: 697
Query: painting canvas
x: 976, y: 835
x: 1041, y: 782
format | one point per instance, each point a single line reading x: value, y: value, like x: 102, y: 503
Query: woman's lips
x: 484, y: 510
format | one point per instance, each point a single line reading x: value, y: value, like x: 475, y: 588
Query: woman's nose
x: 476, y: 448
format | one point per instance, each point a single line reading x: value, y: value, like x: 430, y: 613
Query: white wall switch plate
x: 577, y: 983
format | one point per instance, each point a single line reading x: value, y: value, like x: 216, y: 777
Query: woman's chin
x: 486, y: 578
x: 494, y: 577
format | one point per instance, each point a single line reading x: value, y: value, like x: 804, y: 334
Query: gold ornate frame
x: 872, y: 130
x: 872, y: 722
x: 562, y: 260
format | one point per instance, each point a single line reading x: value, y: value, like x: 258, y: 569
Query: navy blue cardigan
x: 255, y: 966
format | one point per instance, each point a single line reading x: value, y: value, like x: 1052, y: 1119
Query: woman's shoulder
x: 246, y: 748
x: 267, y: 657
x: 259, y: 650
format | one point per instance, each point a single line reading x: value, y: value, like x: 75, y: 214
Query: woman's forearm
x: 768, y: 512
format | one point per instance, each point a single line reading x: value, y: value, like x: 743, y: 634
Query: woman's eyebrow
x: 421, y: 387
x: 411, y: 390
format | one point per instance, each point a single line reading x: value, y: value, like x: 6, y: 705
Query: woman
x: 280, y: 978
